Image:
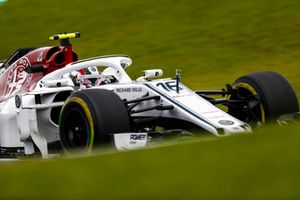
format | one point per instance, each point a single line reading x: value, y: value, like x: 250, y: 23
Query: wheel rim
x: 246, y: 91
x: 76, y: 129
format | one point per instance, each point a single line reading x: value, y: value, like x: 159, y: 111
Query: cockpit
x: 94, y: 76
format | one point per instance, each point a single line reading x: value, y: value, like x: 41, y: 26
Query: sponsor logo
x: 18, y: 101
x: 120, y: 90
x: 40, y: 58
x: 182, y: 95
x: 17, y: 77
x: 226, y: 122
x: 137, y: 136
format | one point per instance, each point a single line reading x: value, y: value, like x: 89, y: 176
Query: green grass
x: 263, y: 165
x: 209, y: 38
x: 213, y: 42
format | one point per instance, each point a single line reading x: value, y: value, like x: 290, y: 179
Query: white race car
x: 52, y: 103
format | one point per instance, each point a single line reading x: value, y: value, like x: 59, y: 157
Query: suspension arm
x: 143, y: 99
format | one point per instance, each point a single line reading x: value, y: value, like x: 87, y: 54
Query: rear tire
x: 88, y: 117
x: 275, y: 93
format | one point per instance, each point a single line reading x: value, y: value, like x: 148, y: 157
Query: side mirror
x: 151, y: 73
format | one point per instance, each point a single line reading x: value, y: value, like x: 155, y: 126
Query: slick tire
x: 276, y: 95
x: 88, y: 117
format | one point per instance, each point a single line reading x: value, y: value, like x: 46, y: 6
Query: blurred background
x: 213, y: 42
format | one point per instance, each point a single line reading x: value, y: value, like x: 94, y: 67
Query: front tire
x: 275, y: 95
x: 88, y: 117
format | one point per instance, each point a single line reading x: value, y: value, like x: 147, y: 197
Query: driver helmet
x: 112, y: 74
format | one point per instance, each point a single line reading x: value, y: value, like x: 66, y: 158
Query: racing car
x: 51, y: 102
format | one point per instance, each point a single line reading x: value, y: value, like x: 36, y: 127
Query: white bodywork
x: 30, y: 122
